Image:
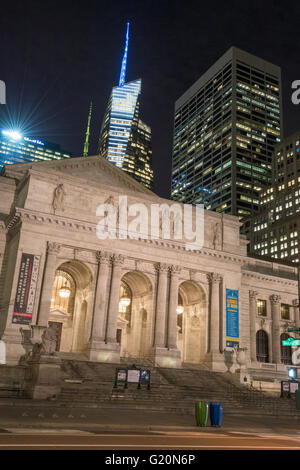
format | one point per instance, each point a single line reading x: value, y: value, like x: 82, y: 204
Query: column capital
x: 175, y: 270
x: 162, y: 267
x: 275, y: 299
x: 253, y: 294
x: 295, y: 303
x: 214, y: 278
x: 103, y: 257
x: 117, y: 259
x: 53, y: 248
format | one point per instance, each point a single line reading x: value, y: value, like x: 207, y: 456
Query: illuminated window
x: 262, y: 308
x: 285, y: 311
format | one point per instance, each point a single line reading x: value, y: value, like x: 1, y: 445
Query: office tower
x: 124, y: 139
x: 225, y: 130
x: 15, y: 148
x: 275, y: 231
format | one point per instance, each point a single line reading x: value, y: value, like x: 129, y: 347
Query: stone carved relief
x: 214, y: 278
x: 275, y: 299
x: 118, y: 260
x: 217, y: 236
x: 58, y: 198
x: 46, y: 347
x: 253, y: 294
x: 49, y: 339
x: 195, y: 321
x: 162, y: 267
x: 53, y: 248
x: 110, y: 201
x: 175, y: 270
x: 262, y: 322
x: 103, y: 257
x: 177, y: 224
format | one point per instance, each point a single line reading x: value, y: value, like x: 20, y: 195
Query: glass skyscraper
x: 275, y: 231
x: 225, y: 131
x: 124, y: 139
x: 15, y: 148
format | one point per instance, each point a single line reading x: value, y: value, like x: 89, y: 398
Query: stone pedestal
x: 99, y: 351
x: 169, y: 358
x: 13, y: 346
x: 43, y: 377
x: 215, y: 361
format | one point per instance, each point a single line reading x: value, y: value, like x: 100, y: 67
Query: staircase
x: 172, y: 390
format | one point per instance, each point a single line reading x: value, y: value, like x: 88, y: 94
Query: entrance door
x: 119, y: 336
x: 57, y: 327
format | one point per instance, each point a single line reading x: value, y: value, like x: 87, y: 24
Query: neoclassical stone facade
x: 112, y: 298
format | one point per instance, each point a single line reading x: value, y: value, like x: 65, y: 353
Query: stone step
x: 170, y: 388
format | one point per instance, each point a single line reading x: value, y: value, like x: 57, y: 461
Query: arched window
x: 262, y: 346
x: 286, y: 351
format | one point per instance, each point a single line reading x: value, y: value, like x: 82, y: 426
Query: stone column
x: 296, y: 313
x: 214, y: 281
x: 173, y: 302
x: 160, y: 320
x: 113, y: 308
x: 99, y: 314
x: 252, y: 312
x: 53, y: 250
x: 275, y: 309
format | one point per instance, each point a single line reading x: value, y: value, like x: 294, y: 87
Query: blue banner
x: 232, y: 318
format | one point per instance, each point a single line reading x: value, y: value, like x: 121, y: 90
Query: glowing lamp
x: 179, y: 309
x: 64, y: 292
x: 125, y: 301
x: 15, y: 135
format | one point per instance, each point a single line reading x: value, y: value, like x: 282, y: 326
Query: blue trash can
x: 216, y: 412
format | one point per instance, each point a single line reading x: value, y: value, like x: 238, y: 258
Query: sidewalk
x: 48, y: 415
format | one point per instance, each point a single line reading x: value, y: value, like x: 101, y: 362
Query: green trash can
x: 201, y: 413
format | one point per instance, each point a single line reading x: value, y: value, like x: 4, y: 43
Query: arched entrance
x: 262, y: 346
x: 135, y: 315
x: 191, y: 322
x: 70, y: 307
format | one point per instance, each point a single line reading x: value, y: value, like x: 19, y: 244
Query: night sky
x: 55, y: 57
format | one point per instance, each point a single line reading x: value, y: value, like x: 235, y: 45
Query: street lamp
x: 292, y: 372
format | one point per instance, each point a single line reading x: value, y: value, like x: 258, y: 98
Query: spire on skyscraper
x: 124, y: 61
x: 87, y: 134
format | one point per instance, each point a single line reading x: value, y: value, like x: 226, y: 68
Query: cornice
x: 74, y: 225
x: 57, y: 167
x: 57, y: 221
x: 270, y: 278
